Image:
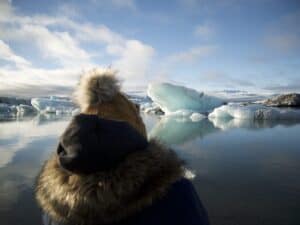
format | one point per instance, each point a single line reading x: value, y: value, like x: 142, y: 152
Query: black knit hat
x: 91, y: 144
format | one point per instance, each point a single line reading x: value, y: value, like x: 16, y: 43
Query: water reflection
x: 24, y: 144
x: 246, y: 175
x: 178, y: 131
x: 230, y: 123
x: 175, y: 131
x: 16, y: 135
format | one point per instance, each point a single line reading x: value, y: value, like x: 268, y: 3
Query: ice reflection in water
x: 247, y: 172
x: 175, y: 131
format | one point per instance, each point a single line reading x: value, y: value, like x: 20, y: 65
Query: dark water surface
x: 246, y: 172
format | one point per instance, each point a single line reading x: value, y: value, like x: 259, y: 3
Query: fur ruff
x: 96, y: 86
x: 107, y: 197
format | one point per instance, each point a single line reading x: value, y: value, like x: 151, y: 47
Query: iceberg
x: 11, y: 111
x: 254, y: 112
x: 195, y: 117
x: 151, y: 108
x: 53, y: 105
x: 175, y: 99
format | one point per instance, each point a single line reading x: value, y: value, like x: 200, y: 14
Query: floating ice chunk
x: 25, y: 110
x: 151, y: 108
x: 181, y: 113
x: 138, y: 98
x: 8, y: 111
x: 254, y: 112
x: 13, y: 109
x: 185, y: 115
x: 195, y: 117
x: 53, y: 105
x: 75, y: 112
x: 171, y: 98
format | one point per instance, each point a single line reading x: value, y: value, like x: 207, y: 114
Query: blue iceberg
x: 175, y: 99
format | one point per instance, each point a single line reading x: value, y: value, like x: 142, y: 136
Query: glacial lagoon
x: 246, y: 172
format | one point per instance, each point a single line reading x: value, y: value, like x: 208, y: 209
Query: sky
x: 208, y: 45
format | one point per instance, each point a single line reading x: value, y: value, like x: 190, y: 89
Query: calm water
x: 246, y: 172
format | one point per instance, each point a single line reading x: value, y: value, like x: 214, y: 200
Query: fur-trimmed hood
x: 107, y: 197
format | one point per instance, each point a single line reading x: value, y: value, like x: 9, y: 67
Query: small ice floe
x: 185, y: 115
x: 151, y: 108
x: 12, y: 111
x: 254, y: 112
x: 53, y: 105
x: 189, y: 174
x: 195, y: 117
x: 23, y: 110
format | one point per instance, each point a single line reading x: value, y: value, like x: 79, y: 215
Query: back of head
x: 99, y: 93
x: 91, y: 144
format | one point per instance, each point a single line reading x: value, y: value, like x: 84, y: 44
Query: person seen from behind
x: 106, y: 171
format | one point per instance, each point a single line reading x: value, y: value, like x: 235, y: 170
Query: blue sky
x: 204, y: 44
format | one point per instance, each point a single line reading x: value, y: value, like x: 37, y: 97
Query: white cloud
x: 193, y: 54
x: 135, y: 58
x: 89, y: 33
x: 6, y: 53
x: 38, y: 82
x: 33, y: 76
x: 59, y: 46
x: 287, y: 85
x: 60, y: 41
x: 218, y: 80
x: 5, y: 9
